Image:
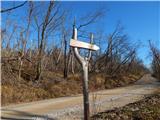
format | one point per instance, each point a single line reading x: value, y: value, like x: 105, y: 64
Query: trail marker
x: 84, y: 61
x: 80, y: 44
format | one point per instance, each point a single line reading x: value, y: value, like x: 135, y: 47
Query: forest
x: 37, y: 62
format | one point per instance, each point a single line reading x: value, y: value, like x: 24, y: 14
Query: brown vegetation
x: 146, y: 109
x: 38, y: 68
x: 53, y: 85
x: 156, y: 60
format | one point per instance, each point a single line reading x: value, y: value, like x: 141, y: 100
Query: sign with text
x: 80, y: 44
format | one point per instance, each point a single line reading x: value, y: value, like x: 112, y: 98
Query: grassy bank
x: 53, y: 85
x: 146, y: 109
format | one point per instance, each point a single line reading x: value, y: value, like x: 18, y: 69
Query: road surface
x: 71, y: 108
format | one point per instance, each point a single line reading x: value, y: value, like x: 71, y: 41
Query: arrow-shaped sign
x: 80, y: 44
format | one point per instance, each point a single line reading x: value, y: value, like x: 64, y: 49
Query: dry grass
x: 19, y: 91
x: 111, y: 82
x: 15, y: 94
x: 157, y: 91
x: 53, y: 85
x: 146, y: 109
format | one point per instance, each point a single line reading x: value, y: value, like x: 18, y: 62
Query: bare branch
x: 92, y: 18
x: 12, y: 8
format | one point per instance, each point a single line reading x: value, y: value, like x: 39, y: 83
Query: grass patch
x: 53, y: 85
x: 146, y: 109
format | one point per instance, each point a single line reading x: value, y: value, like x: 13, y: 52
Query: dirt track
x: 67, y: 108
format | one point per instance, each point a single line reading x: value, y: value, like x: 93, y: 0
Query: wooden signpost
x: 80, y: 44
x: 84, y: 61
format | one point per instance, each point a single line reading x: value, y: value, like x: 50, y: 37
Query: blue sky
x: 141, y: 20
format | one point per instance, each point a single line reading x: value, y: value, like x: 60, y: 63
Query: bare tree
x: 51, y: 21
x: 156, y: 60
x: 45, y: 23
x: 118, y: 53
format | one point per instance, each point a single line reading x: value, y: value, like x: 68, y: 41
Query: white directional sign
x: 80, y: 44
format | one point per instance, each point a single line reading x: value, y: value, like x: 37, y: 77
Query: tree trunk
x: 85, y: 91
x: 65, y: 58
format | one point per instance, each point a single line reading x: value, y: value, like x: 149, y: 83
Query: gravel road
x: 71, y: 108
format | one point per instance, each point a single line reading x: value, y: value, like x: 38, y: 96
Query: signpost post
x: 84, y: 61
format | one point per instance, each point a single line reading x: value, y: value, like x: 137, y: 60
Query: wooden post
x: 84, y: 61
x: 85, y: 90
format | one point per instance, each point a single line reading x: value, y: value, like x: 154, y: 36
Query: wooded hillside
x: 38, y: 63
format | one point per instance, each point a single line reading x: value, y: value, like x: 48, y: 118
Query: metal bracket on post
x: 84, y: 61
